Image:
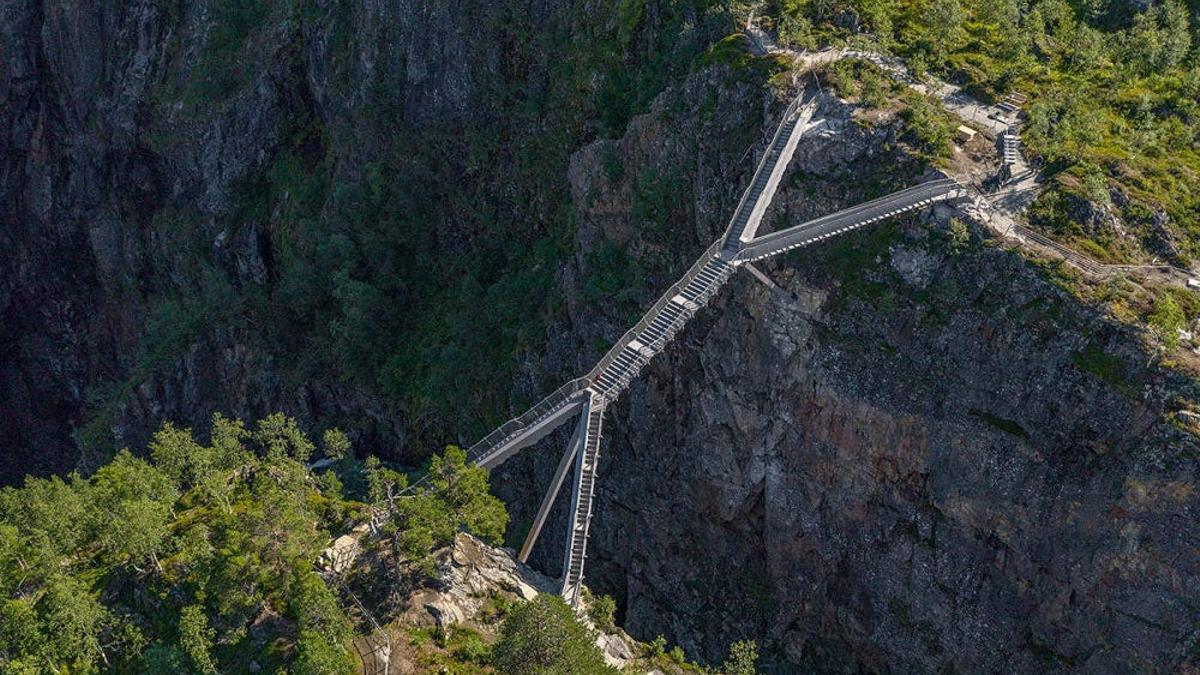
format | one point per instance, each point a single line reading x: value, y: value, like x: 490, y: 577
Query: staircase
x: 581, y: 513
x: 1012, y: 145
x: 750, y: 209
x: 659, y: 325
x: 1012, y: 103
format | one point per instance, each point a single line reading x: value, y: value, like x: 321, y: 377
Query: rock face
x: 470, y: 573
x: 912, y: 457
x: 140, y: 150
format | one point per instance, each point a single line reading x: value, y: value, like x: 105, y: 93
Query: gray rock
x: 916, y: 266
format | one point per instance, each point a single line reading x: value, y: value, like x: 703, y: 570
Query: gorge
x: 921, y: 451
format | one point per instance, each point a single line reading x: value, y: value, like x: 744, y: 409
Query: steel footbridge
x: 586, y: 398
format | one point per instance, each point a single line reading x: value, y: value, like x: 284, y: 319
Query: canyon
x: 916, y: 453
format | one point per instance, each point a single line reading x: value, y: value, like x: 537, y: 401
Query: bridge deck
x: 669, y: 314
x: 843, y: 221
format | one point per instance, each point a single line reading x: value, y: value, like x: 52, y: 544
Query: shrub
x: 543, y: 636
x: 602, y: 611
x: 743, y: 655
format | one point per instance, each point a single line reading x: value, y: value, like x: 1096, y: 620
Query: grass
x: 734, y: 52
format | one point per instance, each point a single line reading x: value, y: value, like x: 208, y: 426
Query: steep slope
x: 921, y: 453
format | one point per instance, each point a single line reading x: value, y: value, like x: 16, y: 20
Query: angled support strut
x: 560, y: 475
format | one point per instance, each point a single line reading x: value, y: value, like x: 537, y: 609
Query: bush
x: 1166, y: 321
x: 743, y: 655
x: 602, y: 611
x: 465, y: 644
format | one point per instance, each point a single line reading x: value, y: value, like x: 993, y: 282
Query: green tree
x: 160, y: 659
x: 12, y: 565
x: 72, y: 618
x: 315, y: 608
x: 423, y: 524
x: 382, y: 483
x: 942, y: 28
x: 463, y: 488
x: 177, y: 454
x: 52, y: 515
x: 335, y: 444
x: 281, y: 437
x: 960, y: 235
x: 196, y: 639
x: 743, y: 655
x: 316, y: 655
x: 226, y: 454
x: 603, y: 612
x: 543, y: 636
x: 135, y: 494
x: 20, y: 631
x: 1064, y: 126
x: 1160, y: 37
x: 229, y: 442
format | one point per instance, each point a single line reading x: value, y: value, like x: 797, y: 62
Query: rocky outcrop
x: 468, y: 573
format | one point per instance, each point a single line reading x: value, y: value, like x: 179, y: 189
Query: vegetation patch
x: 1113, y: 98
x: 1005, y: 425
x: 200, y: 558
x: 734, y: 51
x: 613, y: 278
x: 1107, y: 367
x: 220, y: 71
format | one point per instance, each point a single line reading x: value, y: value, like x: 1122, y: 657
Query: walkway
x: 590, y: 395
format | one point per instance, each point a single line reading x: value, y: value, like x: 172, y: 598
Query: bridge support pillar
x: 560, y: 475
x: 761, y: 276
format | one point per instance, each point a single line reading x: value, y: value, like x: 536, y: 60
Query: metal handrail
x: 790, y: 111
x: 928, y: 190
x: 547, y: 405
x: 555, y: 400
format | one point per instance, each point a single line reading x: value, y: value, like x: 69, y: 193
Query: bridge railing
x: 791, y: 110
x: 544, y: 407
x: 774, y: 242
x: 657, y: 307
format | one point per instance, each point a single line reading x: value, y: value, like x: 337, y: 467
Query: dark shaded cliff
x: 301, y: 206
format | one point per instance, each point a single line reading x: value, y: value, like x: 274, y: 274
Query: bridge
x: 586, y: 398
